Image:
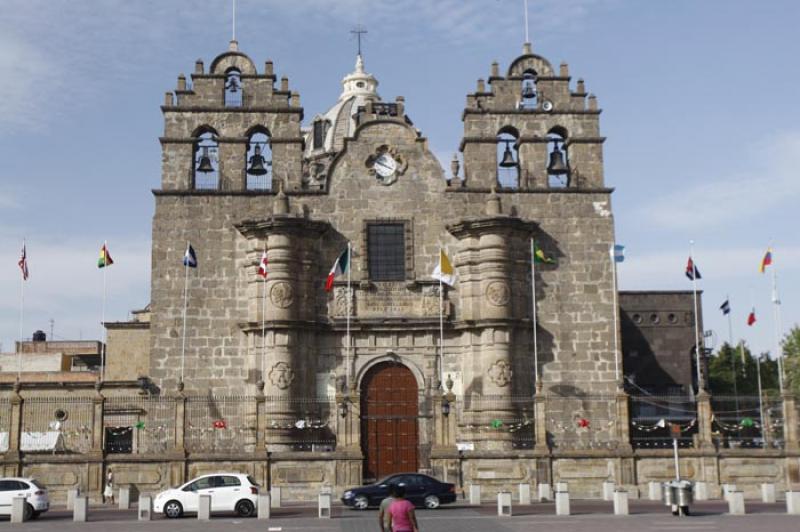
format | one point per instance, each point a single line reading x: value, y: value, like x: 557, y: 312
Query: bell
x: 556, y: 166
x: 205, y: 162
x: 232, y: 85
x: 508, y: 159
x: 257, y: 163
x: 528, y: 90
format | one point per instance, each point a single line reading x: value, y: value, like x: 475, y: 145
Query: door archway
x: 389, y: 412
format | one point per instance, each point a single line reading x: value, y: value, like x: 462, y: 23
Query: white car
x: 230, y: 492
x: 36, y: 498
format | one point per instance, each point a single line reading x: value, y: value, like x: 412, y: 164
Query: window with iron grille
x: 387, y: 251
x: 319, y: 134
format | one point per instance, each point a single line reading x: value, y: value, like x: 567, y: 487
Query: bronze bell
x: 257, y: 163
x: 508, y: 158
x: 556, y: 166
x: 205, y: 166
x: 528, y: 90
x: 232, y: 85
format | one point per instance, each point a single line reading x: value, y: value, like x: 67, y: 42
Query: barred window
x: 387, y: 251
x: 319, y: 133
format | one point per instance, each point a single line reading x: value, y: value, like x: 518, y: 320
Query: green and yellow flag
x: 539, y: 256
x: 105, y: 257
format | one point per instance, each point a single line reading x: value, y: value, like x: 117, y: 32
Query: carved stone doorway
x: 389, y: 429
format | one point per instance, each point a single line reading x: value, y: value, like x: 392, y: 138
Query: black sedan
x: 421, y: 490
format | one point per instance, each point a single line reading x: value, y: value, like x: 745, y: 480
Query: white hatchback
x: 36, y: 498
x: 230, y: 492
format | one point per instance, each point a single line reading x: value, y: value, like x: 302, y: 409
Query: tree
x: 726, y: 365
x: 791, y: 360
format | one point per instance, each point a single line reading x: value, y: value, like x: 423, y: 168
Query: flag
x: 105, y: 257
x: 340, y: 267
x: 444, y: 271
x: 23, y: 263
x: 691, y: 270
x: 190, y: 257
x: 618, y: 253
x: 539, y: 256
x: 766, y: 261
x: 725, y: 307
x: 751, y: 318
x: 262, y: 268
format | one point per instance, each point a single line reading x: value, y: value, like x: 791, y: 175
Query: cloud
x: 767, y: 177
x: 25, y: 84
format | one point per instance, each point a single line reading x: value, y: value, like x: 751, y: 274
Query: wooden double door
x: 389, y: 412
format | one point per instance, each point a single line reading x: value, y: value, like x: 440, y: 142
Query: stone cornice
x: 486, y: 190
x: 223, y: 109
x: 472, y: 226
x: 281, y: 224
x: 472, y: 111
x: 530, y: 140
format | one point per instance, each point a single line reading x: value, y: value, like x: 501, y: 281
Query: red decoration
x: 583, y: 423
x: 220, y: 424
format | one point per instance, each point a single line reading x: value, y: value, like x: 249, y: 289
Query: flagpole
x: 760, y: 397
x: 696, y: 318
x: 733, y: 358
x: 776, y: 302
x: 349, y: 310
x: 533, y: 314
x: 441, y: 325
x: 103, y: 315
x: 616, y: 316
x: 21, y: 313
x: 264, y: 326
x: 185, y: 296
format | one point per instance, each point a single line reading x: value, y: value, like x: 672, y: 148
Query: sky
x: 698, y: 98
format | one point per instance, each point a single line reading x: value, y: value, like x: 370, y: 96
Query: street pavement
x: 594, y: 516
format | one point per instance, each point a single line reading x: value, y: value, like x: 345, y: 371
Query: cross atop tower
x: 358, y: 31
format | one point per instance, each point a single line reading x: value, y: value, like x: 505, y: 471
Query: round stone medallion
x: 498, y: 293
x: 281, y: 294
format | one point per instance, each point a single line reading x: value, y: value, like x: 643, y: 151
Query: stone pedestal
x: 768, y: 493
x: 793, y: 502
x: 475, y: 494
x: 80, y: 509
x: 545, y: 492
x: 504, y: 504
x: 124, y: 498
x: 736, y: 502
x: 655, y: 491
x: 275, y: 501
x: 620, y: 502
x: 71, y: 494
x: 204, y: 508
x: 524, y: 494
x: 324, y: 506
x: 145, y: 510
x: 562, y: 503
x: 608, y: 490
x: 18, y: 510
x: 264, y: 506
x: 701, y: 491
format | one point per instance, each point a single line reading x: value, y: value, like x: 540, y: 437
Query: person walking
x: 383, y: 512
x: 108, y: 491
x: 401, y: 513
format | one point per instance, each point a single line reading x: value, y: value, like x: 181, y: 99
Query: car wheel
x: 173, y: 509
x: 431, y: 502
x: 361, y: 502
x: 27, y: 513
x: 245, y: 509
x: 34, y: 515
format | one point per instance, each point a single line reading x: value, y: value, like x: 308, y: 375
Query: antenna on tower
x: 358, y: 31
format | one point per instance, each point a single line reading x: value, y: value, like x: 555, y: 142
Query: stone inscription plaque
x: 390, y: 300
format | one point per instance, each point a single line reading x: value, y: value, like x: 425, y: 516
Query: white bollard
x: 71, y: 494
x: 655, y: 491
x: 768, y: 492
x: 324, y: 506
x: 545, y: 493
x: 124, y: 498
x: 204, y: 508
x: 18, y: 510
x: 276, y: 497
x: 524, y: 494
x: 264, y: 506
x: 700, y: 491
x: 145, y: 510
x: 475, y: 494
x: 562, y: 486
x: 608, y: 490
x: 726, y: 489
x: 562, y: 503
x: 504, y: 504
x: 620, y: 502
x: 736, y: 502
x: 80, y: 509
x: 793, y: 502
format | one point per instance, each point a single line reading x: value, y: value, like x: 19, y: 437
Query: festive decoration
x: 220, y: 424
x: 747, y: 423
x: 583, y: 423
x: 496, y: 424
x: 139, y: 425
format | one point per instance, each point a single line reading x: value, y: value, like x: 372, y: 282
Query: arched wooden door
x: 389, y: 409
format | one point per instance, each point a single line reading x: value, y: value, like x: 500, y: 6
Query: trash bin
x: 678, y: 494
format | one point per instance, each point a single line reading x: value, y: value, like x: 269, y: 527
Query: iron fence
x: 652, y: 415
x: 581, y: 422
x: 57, y: 424
x: 484, y: 417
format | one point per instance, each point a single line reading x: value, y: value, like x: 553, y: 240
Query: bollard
x: 80, y: 509
x: 145, y: 509
x: 204, y: 508
x: 768, y: 492
x: 71, y: 494
x: 655, y: 491
x: 793, y: 502
x: 264, y: 506
x: 124, y: 497
x: 324, y: 506
x: 562, y: 503
x: 562, y: 486
x: 276, y: 497
x: 18, y: 510
x: 608, y: 490
x: 700, y: 491
x: 504, y: 504
x: 525, y: 494
x: 620, y: 502
x: 726, y: 489
x: 736, y: 502
x: 475, y: 494
x: 545, y: 494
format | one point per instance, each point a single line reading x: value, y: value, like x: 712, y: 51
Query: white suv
x: 230, y: 492
x: 35, y: 494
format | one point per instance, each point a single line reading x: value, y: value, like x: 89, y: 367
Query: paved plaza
x: 596, y: 516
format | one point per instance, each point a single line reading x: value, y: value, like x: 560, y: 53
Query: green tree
x: 791, y: 359
x: 726, y: 365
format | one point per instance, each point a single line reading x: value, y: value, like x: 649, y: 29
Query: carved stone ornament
x: 281, y: 375
x: 386, y: 164
x: 500, y: 373
x: 498, y: 293
x: 281, y: 294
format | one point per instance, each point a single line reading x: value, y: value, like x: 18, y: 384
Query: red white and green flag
x: 262, y: 267
x: 340, y: 267
x: 105, y: 257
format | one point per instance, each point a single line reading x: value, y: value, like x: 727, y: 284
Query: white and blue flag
x: 190, y: 258
x: 618, y: 253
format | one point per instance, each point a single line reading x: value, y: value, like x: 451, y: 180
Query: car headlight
x: 348, y: 494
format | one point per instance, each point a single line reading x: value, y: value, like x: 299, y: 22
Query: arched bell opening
x: 528, y: 94
x: 508, y: 158
x: 558, y: 170
x: 234, y: 91
x: 205, y: 167
x: 259, y: 161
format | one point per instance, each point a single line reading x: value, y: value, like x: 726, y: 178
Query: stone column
x: 623, y: 431
x: 704, y: 419
x: 791, y: 423
x: 14, y: 434
x: 97, y: 420
x: 261, y: 420
x: 540, y: 418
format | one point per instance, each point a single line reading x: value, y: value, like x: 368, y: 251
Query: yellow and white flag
x: 444, y: 271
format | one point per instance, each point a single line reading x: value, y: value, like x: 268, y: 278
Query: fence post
x: 97, y: 418
x: 790, y: 421
x: 703, y: 418
x: 180, y: 420
x: 15, y: 430
x: 623, y: 424
x: 261, y: 420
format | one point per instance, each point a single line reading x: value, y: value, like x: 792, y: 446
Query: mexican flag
x: 340, y: 267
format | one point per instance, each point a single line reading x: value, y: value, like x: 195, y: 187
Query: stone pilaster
x: 704, y: 419
x: 623, y: 421
x: 791, y: 423
x: 540, y: 419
